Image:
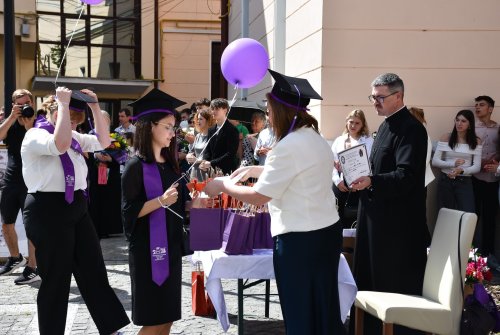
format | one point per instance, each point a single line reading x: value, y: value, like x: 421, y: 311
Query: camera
x: 27, y: 111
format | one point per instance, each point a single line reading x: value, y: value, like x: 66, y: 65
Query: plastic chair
x: 439, y: 308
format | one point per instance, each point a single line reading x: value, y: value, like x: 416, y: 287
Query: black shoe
x: 12, y: 264
x: 29, y: 275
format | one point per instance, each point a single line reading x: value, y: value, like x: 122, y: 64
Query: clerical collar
x: 395, y: 112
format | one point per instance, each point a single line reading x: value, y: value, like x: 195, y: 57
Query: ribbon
x: 67, y: 164
x: 158, y: 243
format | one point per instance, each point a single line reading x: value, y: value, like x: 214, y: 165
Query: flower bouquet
x: 118, y: 149
x: 477, y: 269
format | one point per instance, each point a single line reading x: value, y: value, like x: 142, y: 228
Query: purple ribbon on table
x: 67, y: 164
x: 158, y: 244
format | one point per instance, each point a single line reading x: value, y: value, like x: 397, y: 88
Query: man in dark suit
x: 392, y: 235
x: 223, y: 140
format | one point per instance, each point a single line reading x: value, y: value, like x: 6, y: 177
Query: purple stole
x: 67, y: 164
x: 158, y: 244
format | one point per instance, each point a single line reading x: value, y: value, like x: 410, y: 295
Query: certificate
x: 354, y: 163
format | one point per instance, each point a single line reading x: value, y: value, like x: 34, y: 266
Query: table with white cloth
x: 218, y: 265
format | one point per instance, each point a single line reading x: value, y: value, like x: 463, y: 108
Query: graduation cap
x: 292, y: 92
x: 79, y: 101
x: 155, y: 101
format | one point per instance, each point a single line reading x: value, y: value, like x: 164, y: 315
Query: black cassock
x: 392, y: 236
x: 151, y: 304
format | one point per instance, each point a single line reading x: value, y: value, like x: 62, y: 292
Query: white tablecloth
x: 217, y: 265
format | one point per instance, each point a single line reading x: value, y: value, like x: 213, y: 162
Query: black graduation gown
x: 392, y: 234
x: 104, y: 200
x: 151, y: 304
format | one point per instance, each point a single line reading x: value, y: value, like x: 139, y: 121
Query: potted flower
x: 477, y: 271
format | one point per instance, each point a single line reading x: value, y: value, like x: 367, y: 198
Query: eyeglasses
x: 168, y: 127
x: 380, y: 98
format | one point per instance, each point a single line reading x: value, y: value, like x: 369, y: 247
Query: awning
x: 104, y: 88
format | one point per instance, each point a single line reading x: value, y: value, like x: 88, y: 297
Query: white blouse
x: 340, y: 144
x: 294, y: 178
x: 42, y: 168
x: 445, y: 157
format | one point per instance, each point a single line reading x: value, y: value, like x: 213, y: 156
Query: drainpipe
x: 244, y: 33
x: 156, y: 48
x: 224, y: 40
x: 10, y: 55
x: 279, y: 36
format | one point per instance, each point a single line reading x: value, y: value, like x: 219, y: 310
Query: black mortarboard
x: 155, y: 101
x: 291, y: 91
x: 79, y: 101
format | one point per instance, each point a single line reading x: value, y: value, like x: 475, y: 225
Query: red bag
x: 102, y: 174
x: 200, y: 302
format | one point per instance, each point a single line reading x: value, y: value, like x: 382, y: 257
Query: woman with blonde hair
x: 418, y: 113
x: 356, y: 132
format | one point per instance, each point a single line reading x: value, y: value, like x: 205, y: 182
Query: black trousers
x: 66, y: 243
x: 306, y: 268
x: 486, y: 195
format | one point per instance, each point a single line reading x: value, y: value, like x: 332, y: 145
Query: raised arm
x: 63, y: 133
x: 100, y: 124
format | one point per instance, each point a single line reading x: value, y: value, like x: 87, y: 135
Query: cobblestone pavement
x: 18, y: 314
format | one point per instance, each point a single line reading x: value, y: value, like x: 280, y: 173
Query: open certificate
x: 354, y: 163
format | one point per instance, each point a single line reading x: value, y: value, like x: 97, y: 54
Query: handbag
x: 201, y: 304
x: 351, y: 207
x: 479, y: 315
x: 186, y: 249
x: 262, y: 231
x: 238, y: 234
x: 206, y: 227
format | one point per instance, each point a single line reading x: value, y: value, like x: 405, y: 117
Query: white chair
x: 439, y: 308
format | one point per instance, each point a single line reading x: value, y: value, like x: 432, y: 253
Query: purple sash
x: 67, y: 164
x: 158, y: 244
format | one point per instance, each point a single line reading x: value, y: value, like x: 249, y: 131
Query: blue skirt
x: 306, y: 269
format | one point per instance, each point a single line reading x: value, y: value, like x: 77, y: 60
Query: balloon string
x: 67, y: 46
x: 216, y: 132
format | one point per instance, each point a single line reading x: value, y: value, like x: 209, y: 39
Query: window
x: 103, y: 40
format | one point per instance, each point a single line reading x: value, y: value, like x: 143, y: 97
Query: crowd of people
x: 94, y: 191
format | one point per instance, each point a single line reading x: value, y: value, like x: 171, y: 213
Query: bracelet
x: 162, y: 205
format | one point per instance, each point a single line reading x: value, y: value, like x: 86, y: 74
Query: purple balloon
x: 244, y: 62
x: 92, y: 2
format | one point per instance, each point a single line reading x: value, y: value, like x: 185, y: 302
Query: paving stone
x: 18, y: 312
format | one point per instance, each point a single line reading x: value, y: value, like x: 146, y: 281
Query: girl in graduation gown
x: 156, y: 302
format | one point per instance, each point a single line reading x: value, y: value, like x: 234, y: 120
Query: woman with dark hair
x: 458, y: 155
x: 304, y: 220
x: 151, y: 215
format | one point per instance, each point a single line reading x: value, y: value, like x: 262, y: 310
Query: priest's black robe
x: 392, y: 234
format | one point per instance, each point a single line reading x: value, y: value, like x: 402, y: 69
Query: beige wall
x: 447, y: 53
x: 187, y: 32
